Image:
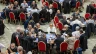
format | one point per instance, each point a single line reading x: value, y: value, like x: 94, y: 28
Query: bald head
x: 18, y: 29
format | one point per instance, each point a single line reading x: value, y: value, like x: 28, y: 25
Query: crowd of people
x: 75, y: 27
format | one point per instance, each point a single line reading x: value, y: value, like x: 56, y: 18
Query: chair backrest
x: 56, y: 19
x: 87, y: 15
x: 63, y: 46
x: 76, y: 44
x: 60, y: 26
x: 12, y: 16
x: 77, y: 4
x: 41, y: 46
x: 95, y: 5
x: 22, y: 16
x: 47, y: 3
x: 12, y: 1
x: 55, y: 5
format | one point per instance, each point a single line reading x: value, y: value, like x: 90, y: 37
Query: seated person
x: 70, y: 41
x: 76, y: 33
x: 94, y: 50
x: 50, y: 9
x: 37, y: 28
x: 20, y: 50
x: 58, y: 41
x: 66, y: 29
x: 89, y: 20
x: 16, y: 4
x: 51, y: 28
x: 59, y: 14
x: 43, y: 38
x: 12, y: 48
x: 15, y: 35
x: 33, y: 4
x: 76, y: 21
x: 64, y: 21
x: 15, y: 13
x: 76, y: 14
x: 24, y: 4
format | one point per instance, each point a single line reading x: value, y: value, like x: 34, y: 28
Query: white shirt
x: 53, y: 29
x: 76, y: 34
x: 50, y: 10
x: 90, y: 21
x: 76, y: 22
x: 24, y: 5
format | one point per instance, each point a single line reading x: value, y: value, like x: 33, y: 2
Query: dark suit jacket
x: 42, y: 39
x: 83, y: 42
x: 13, y: 38
x: 21, y: 10
x: 2, y: 26
x: 7, y: 12
x: 35, y: 6
x: 58, y: 41
x: 15, y: 13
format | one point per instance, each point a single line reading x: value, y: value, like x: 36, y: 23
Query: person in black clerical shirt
x: 7, y: 11
x: 58, y: 41
x: 33, y: 4
x: 37, y: 28
x: 11, y: 49
x: 64, y: 21
x: 16, y: 4
x: 21, y: 37
x: 15, y: 35
x: 66, y: 5
x: 66, y: 30
x: 59, y: 14
x: 83, y: 41
x: 15, y: 13
x: 43, y: 38
x: 21, y: 10
x: 30, y: 38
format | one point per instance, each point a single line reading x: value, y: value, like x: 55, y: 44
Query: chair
x: 12, y: 17
x: 47, y: 3
x: 87, y: 15
x: 95, y: 5
x: 77, y: 5
x: 55, y: 24
x: 60, y: 26
x: 55, y: 5
x: 76, y: 44
x: 22, y: 17
x: 56, y: 19
x: 11, y: 1
x: 41, y: 46
x: 63, y: 47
